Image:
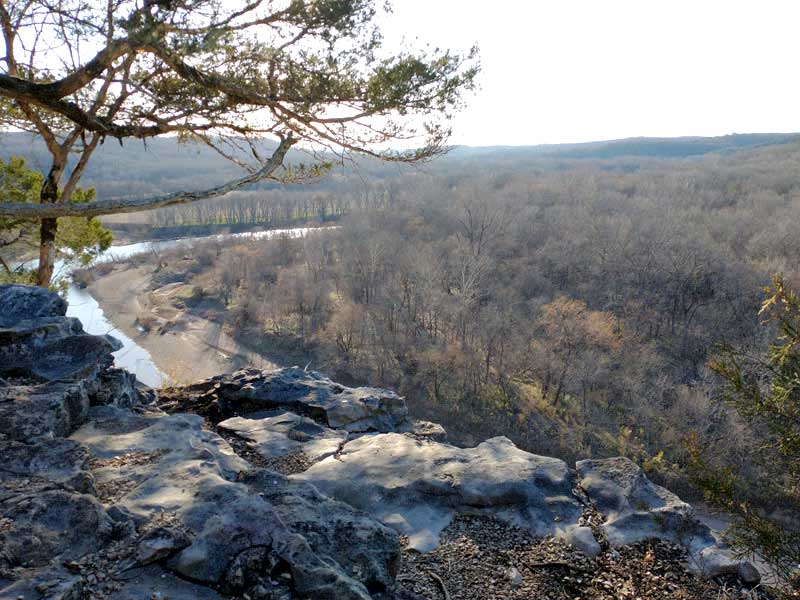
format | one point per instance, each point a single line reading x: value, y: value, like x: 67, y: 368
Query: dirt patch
x: 481, y: 558
x: 285, y: 465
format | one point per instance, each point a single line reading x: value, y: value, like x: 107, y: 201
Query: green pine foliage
x: 79, y: 240
x: 765, y: 391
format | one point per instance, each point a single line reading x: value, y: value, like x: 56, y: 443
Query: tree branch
x: 23, y: 210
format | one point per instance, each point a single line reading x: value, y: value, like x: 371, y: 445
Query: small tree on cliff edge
x: 765, y: 390
x: 227, y: 74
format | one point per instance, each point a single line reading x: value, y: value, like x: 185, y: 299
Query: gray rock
x: 23, y: 302
x: 286, y: 433
x: 367, y: 550
x: 583, y: 539
x: 39, y: 343
x: 241, y: 523
x: 41, y: 525
x: 40, y: 346
x: 424, y: 429
x: 155, y: 583
x: 160, y: 543
x: 418, y: 486
x: 32, y: 333
x: 312, y: 394
x: 636, y: 509
x: 50, y: 583
x: 50, y: 410
x: 117, y: 387
x: 60, y: 462
x: 69, y: 358
x: 748, y: 573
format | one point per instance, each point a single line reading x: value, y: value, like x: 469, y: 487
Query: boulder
x: 23, y: 302
x: 310, y: 394
x: 636, y: 509
x: 275, y: 435
x: 417, y: 486
x: 424, y: 430
x: 50, y: 410
x: 73, y: 357
x: 118, y: 387
x: 160, y: 543
x: 583, y: 539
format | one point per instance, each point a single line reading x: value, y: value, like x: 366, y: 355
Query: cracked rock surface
x: 283, y: 434
x: 419, y: 486
x: 108, y: 494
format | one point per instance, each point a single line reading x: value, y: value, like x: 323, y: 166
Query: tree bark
x: 24, y: 210
x: 47, y: 252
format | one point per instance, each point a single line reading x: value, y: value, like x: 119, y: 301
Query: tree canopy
x: 229, y: 74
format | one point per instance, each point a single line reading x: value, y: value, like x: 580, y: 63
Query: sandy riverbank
x: 184, y: 347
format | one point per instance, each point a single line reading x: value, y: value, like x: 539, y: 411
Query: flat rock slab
x: 60, y: 462
x: 636, y: 509
x: 241, y: 524
x: 39, y: 524
x: 154, y: 582
x: 311, y: 394
x: 285, y: 434
x: 418, y: 486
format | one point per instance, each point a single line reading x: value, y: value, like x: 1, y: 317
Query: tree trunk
x: 49, y: 226
x: 47, y: 252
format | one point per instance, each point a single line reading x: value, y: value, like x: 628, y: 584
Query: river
x: 132, y: 356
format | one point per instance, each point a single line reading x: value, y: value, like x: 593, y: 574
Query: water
x: 132, y: 356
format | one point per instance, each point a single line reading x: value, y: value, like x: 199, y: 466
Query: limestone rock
x: 367, y: 550
x: 311, y: 394
x: 418, y: 486
x: 60, y: 462
x: 42, y: 524
x: 24, y: 302
x: 242, y: 523
x: 273, y: 435
x: 155, y: 583
x: 117, y: 387
x: 583, y: 539
x: 424, y: 429
x: 69, y: 358
x: 636, y: 509
x: 160, y: 543
x: 50, y: 370
x: 50, y: 410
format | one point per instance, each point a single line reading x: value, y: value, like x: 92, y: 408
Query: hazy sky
x: 580, y: 70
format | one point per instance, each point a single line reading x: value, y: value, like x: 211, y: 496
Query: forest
x: 572, y: 305
x: 575, y: 299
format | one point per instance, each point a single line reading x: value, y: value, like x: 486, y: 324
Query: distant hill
x: 162, y: 165
x: 680, y: 147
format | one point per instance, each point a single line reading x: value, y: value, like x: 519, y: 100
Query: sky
x: 558, y: 71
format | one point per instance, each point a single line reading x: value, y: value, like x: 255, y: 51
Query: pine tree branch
x: 23, y: 210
